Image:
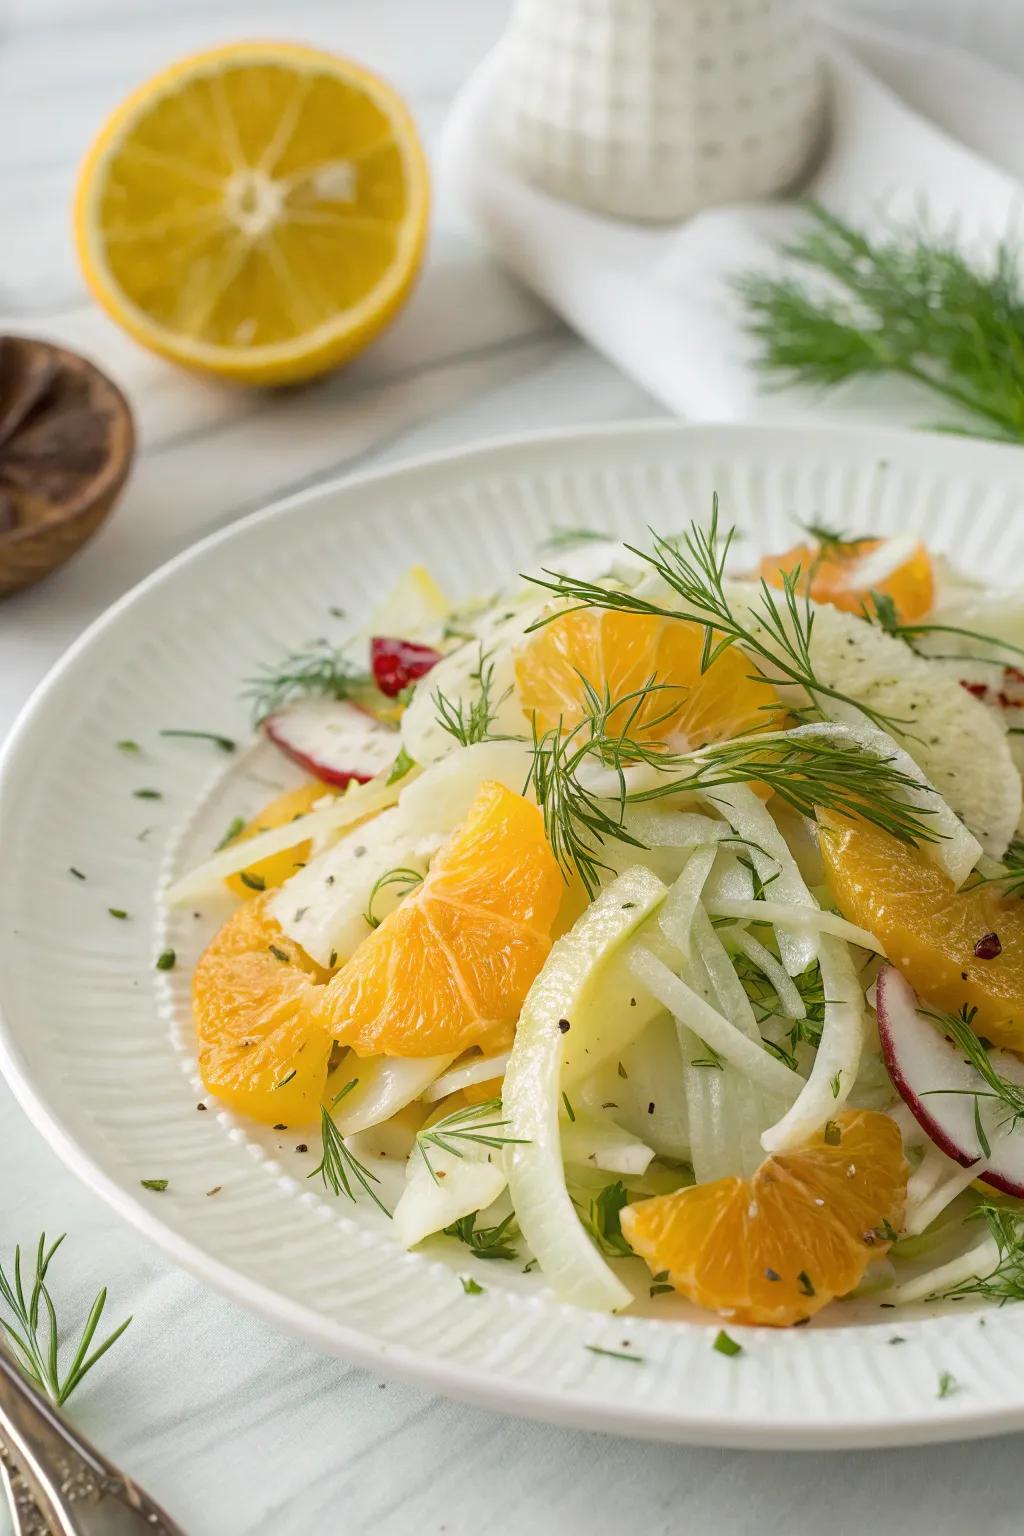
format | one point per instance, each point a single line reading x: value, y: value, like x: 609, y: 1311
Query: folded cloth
x: 917, y: 131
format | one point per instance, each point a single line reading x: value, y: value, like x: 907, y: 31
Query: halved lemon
x: 258, y: 211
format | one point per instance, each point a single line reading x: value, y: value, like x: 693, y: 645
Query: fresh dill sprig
x: 1006, y: 1281
x: 485, y: 1242
x: 809, y: 775
x: 323, y: 669
x: 339, y: 1167
x: 907, y: 303
x: 766, y: 1004
x: 467, y: 1125
x: 776, y: 635
x: 880, y: 609
x: 1011, y: 876
x: 471, y: 724
x: 34, y: 1332
x: 834, y: 541
x: 408, y: 878
x: 959, y: 1028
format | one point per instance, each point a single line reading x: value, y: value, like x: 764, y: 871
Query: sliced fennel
x: 810, y: 919
x: 729, y: 1042
x: 358, y: 802
x: 462, y: 1185
x: 466, y: 1074
x: 383, y: 1086
x: 593, y: 1139
x: 572, y: 986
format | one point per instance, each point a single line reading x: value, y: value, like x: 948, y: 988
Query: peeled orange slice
x: 941, y: 938
x: 620, y: 653
x: 846, y: 573
x: 258, y: 211
x: 262, y: 1049
x: 267, y: 873
x: 450, y: 967
x: 777, y: 1247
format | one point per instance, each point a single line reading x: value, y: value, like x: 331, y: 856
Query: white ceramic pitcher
x: 653, y: 109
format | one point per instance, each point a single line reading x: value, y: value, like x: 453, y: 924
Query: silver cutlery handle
x: 78, y: 1491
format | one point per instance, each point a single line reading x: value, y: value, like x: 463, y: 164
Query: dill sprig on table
x: 908, y: 302
x: 35, y: 1334
x: 321, y: 669
x: 776, y: 635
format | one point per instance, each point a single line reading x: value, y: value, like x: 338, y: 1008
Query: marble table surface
x: 241, y: 1431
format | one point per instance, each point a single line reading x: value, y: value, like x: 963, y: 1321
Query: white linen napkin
x: 916, y: 131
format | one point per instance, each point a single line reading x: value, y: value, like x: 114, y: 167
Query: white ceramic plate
x: 97, y: 1044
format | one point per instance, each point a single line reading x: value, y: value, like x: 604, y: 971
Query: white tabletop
x: 237, y: 1429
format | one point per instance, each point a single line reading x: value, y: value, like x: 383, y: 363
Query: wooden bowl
x: 67, y: 441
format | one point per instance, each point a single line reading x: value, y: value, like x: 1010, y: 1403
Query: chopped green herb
x: 225, y: 743
x: 833, y: 1133
x: 402, y: 765
x: 279, y: 954
x: 76, y: 872
x: 166, y: 960
x: 726, y: 1345
x: 485, y: 1242
x: 614, y: 1354
x: 660, y: 1283
x: 285, y: 1080
x: 157, y: 1184
x: 602, y: 1220
x: 471, y: 1286
x: 118, y: 912
x: 833, y: 1083
x: 147, y: 794
x: 568, y: 1108
x: 948, y: 1384
x: 254, y: 882
x: 805, y: 1283
x: 130, y: 747
x: 568, y: 538
x: 235, y: 825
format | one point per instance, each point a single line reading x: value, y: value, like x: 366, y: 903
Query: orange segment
x: 833, y: 573
x: 929, y: 928
x: 451, y: 966
x: 620, y: 653
x: 265, y: 874
x: 261, y: 1049
x: 774, y: 1249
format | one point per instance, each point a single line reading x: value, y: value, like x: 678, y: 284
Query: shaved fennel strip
x: 813, y: 918
x: 680, y: 906
x: 837, y: 1058
x: 674, y: 829
x: 384, y: 1085
x: 594, y: 1140
x: 790, y: 1001
x: 770, y: 856
x: 976, y: 1264
x: 365, y: 800
x: 936, y: 1201
x: 712, y: 1027
x: 733, y: 1001
x: 928, y: 1174
x: 479, y: 1069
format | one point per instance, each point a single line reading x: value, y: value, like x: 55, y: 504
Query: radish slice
x: 941, y: 1089
x: 397, y: 663
x: 334, y: 740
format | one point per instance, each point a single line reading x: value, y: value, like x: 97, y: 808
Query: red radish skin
x: 397, y: 663
x: 335, y: 740
x: 920, y: 1061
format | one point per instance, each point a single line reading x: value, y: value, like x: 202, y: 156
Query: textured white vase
x: 653, y: 109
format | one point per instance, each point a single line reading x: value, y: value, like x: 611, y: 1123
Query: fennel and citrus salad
x: 665, y: 907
